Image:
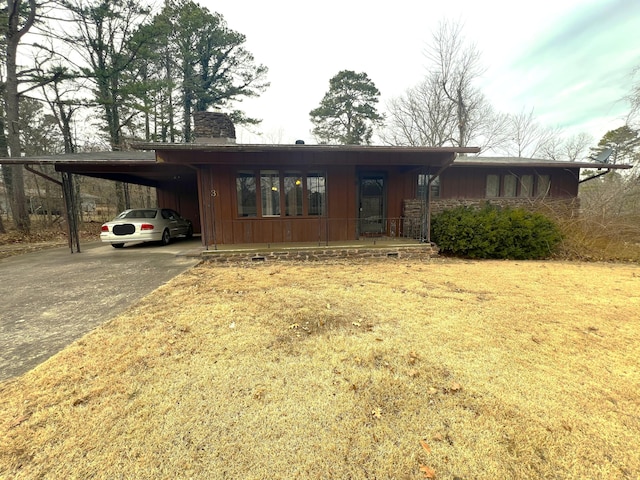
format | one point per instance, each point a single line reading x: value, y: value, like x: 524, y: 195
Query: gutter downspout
x: 427, y: 218
x: 594, y: 176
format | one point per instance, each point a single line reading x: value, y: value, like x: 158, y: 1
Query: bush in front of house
x: 495, y: 232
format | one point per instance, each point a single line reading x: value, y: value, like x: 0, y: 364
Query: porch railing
x: 320, y: 230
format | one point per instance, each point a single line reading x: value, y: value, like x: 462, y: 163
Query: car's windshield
x: 138, y: 214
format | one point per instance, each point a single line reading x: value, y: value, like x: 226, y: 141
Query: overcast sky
x: 569, y: 60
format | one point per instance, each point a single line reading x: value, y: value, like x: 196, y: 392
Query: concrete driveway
x: 50, y: 298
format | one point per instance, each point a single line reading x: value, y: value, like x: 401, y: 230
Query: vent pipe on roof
x: 213, y: 127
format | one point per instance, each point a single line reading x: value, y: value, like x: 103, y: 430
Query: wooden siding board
x: 470, y: 183
x: 181, y: 195
x: 342, y: 191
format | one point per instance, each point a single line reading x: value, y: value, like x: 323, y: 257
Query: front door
x: 372, y: 204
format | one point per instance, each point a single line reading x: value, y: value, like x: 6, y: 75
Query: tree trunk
x: 14, y: 33
x: 462, y: 119
x: 4, y: 153
x: 121, y: 203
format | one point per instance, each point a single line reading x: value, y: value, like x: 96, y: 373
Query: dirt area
x: 388, y: 369
x: 41, y: 238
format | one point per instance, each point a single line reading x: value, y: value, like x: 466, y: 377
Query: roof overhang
x: 154, y: 163
x: 513, y: 162
x: 131, y: 167
x: 290, y: 154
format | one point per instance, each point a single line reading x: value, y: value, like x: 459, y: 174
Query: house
x: 257, y: 194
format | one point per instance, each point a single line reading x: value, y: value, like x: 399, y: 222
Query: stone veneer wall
x: 213, y: 127
x: 414, y: 252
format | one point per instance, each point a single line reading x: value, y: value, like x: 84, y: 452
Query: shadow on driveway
x: 50, y: 298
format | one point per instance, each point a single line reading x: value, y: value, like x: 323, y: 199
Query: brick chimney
x: 213, y: 127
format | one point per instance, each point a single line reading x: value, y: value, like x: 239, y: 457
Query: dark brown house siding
x: 181, y: 194
x: 217, y: 184
x: 471, y: 182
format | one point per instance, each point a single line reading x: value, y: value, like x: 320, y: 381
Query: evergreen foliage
x: 494, y: 232
x: 348, y: 112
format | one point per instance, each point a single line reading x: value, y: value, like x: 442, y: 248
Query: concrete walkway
x: 50, y: 298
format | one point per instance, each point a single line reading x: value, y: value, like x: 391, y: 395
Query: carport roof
x: 153, y: 163
x: 130, y: 166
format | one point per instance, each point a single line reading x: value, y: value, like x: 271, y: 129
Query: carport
x: 175, y: 184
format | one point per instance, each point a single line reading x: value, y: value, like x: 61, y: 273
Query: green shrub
x: 494, y: 232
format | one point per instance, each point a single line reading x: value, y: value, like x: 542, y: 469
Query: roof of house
x: 532, y: 162
x: 86, y: 158
x: 156, y: 162
x: 256, y: 147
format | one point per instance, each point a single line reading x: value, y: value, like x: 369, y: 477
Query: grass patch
x: 340, y: 370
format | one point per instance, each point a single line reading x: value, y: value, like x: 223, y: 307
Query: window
x: 509, y: 186
x: 493, y: 186
x: 517, y: 185
x: 293, y: 195
x: 300, y: 194
x: 246, y: 193
x: 270, y: 193
x: 526, y: 186
x: 316, y: 193
x: 544, y: 186
x: 422, y: 184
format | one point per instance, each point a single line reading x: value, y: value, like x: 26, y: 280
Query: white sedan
x: 145, y: 225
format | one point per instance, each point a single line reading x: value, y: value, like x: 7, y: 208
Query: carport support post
x: 71, y: 208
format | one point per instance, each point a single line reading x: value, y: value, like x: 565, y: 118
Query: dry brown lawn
x: 519, y: 370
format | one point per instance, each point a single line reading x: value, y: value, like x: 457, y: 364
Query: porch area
x: 365, y: 247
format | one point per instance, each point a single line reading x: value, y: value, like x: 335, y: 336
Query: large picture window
x: 510, y: 185
x: 544, y: 186
x: 293, y: 195
x: 316, y: 193
x: 246, y: 193
x: 272, y: 193
x: 493, y: 186
x: 526, y: 186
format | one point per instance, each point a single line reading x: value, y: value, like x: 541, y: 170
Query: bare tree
x: 4, y: 152
x: 456, y: 67
x: 634, y: 99
x: 576, y: 146
x: 568, y: 149
x: 422, y: 116
x: 20, y: 19
x: 527, y: 137
x: 487, y: 128
x: 446, y: 108
x: 61, y: 97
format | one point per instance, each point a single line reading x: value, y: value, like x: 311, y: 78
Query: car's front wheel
x: 117, y: 245
x: 166, y: 237
x: 190, y: 231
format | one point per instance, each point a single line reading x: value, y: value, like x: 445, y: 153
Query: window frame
x: 499, y: 182
x: 270, y: 194
x: 323, y: 195
x: 422, y: 182
x: 240, y: 206
x: 298, y: 201
x: 281, y: 173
